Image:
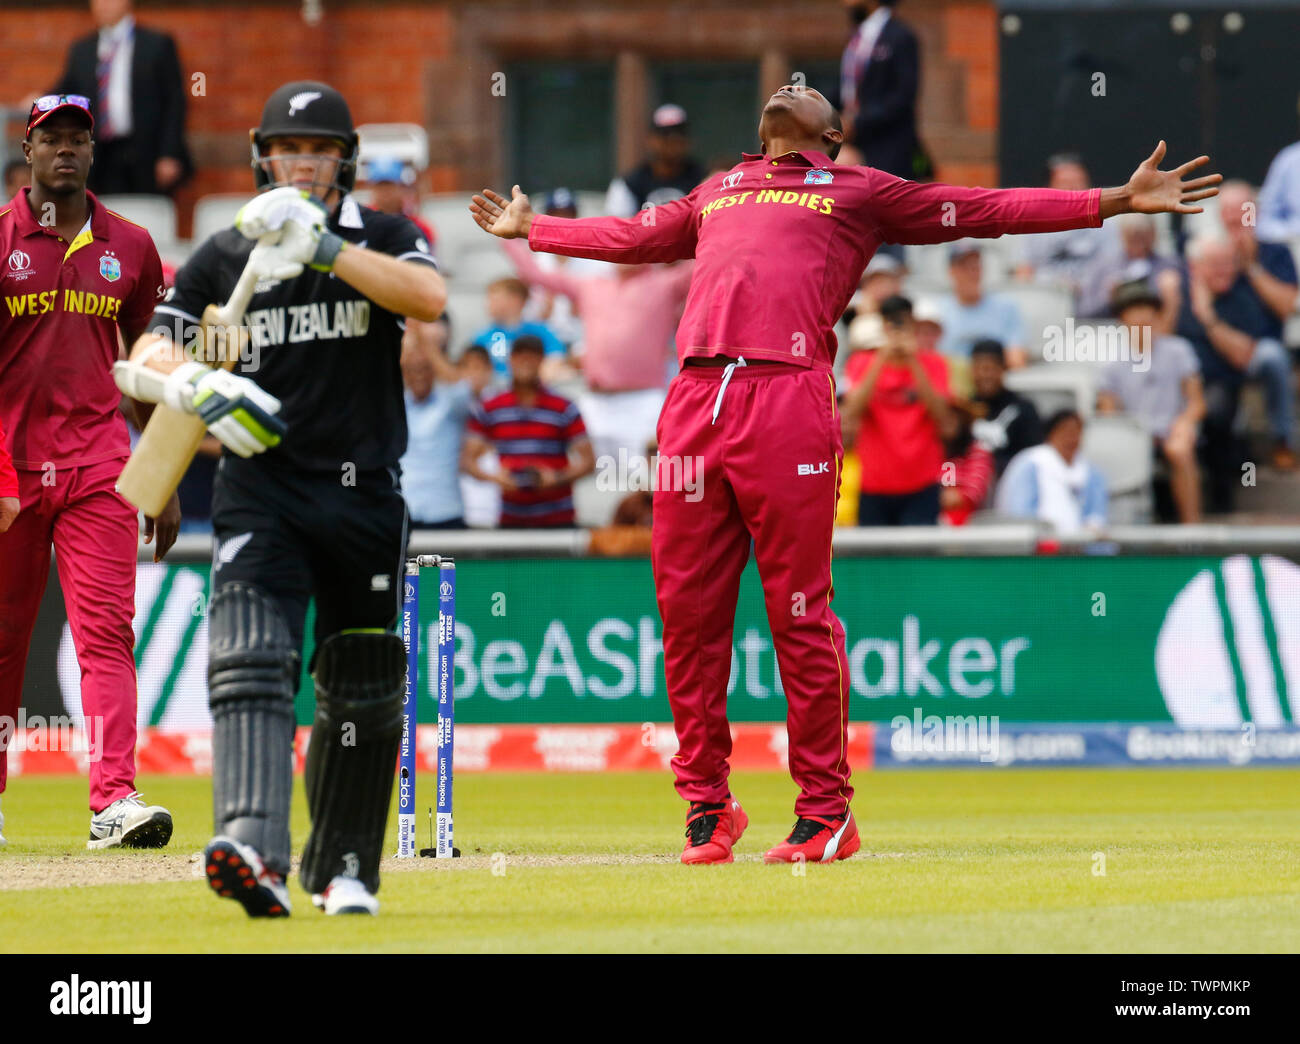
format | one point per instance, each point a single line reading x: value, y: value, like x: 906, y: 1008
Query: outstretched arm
x: 662, y: 233
x: 908, y: 212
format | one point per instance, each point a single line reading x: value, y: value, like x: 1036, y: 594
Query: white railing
x: 983, y: 540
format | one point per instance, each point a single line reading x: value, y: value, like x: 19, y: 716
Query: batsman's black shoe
x: 236, y: 871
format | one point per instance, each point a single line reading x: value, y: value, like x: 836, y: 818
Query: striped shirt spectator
x: 532, y: 429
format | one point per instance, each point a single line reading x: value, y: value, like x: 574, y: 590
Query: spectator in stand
x: 439, y: 395
x: 1005, y: 421
x: 1270, y: 267
x: 505, y: 307
x: 1279, y: 197
x: 629, y: 317
x: 556, y: 310
x: 393, y: 191
x: 481, y: 497
x: 1138, y: 260
x: 668, y: 173
x: 883, y: 278
x: 880, y: 72
x: 967, y: 474
x: 533, y: 431
x: 1054, y: 483
x: 1232, y: 312
x: 17, y: 177
x: 132, y: 77
x: 971, y: 315
x: 927, y: 315
x: 1073, y: 259
x: 896, y: 412
x: 1161, y: 391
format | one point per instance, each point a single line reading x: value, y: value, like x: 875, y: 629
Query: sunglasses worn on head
x: 46, y: 104
x: 52, y: 101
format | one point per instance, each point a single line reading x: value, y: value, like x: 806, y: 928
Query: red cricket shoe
x: 711, y: 830
x: 817, y: 839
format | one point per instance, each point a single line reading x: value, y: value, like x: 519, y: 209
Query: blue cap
x: 561, y: 199
x: 387, y: 168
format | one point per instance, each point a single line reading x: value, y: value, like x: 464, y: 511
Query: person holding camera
x: 897, y: 413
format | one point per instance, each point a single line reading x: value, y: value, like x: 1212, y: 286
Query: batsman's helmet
x: 309, y: 109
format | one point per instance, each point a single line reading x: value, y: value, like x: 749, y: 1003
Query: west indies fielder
x: 780, y: 242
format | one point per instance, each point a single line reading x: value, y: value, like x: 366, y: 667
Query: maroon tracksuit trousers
x: 768, y: 468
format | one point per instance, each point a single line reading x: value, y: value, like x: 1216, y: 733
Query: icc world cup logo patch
x: 109, y: 267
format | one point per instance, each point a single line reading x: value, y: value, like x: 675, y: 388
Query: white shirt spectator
x: 1279, y: 198
x: 1039, y: 483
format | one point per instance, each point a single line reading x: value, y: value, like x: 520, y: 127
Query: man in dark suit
x: 879, y: 75
x: 132, y: 77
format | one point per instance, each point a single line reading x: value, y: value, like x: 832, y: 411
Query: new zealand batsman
x: 317, y: 513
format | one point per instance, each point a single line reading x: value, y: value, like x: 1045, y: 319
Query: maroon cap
x: 47, y: 105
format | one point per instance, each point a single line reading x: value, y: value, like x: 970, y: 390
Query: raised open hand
x: 507, y: 218
x: 1154, y: 191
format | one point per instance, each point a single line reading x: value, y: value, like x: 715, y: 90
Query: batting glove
x: 239, y: 413
x: 269, y: 211
x: 300, y: 220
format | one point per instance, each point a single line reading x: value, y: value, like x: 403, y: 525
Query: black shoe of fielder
x: 236, y: 871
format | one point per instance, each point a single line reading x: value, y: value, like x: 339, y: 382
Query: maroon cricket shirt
x: 780, y: 244
x: 62, y: 305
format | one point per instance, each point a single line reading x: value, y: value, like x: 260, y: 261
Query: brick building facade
x: 433, y: 63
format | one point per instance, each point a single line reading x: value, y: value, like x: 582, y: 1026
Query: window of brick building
x: 721, y: 99
x: 560, y: 124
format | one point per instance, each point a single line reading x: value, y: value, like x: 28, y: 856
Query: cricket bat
x: 171, y: 438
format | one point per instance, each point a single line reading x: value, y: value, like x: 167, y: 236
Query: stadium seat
x: 1040, y: 307
x: 468, y: 311
x: 1057, y: 386
x: 1205, y: 223
x: 928, y: 264
x: 448, y: 213
x: 1121, y: 450
x: 156, y: 213
x: 215, y: 212
x: 408, y: 142
x: 1001, y: 256
x: 592, y: 505
x: 481, y: 264
x: 590, y: 204
x: 916, y: 287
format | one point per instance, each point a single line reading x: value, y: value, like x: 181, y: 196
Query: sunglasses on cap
x: 46, y: 105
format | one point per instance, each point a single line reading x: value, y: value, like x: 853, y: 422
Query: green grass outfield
x: 1202, y: 860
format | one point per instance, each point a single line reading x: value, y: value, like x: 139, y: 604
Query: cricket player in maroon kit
x: 72, y: 274
x: 780, y: 242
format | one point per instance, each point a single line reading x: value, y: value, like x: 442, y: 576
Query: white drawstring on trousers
x: 726, y: 379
